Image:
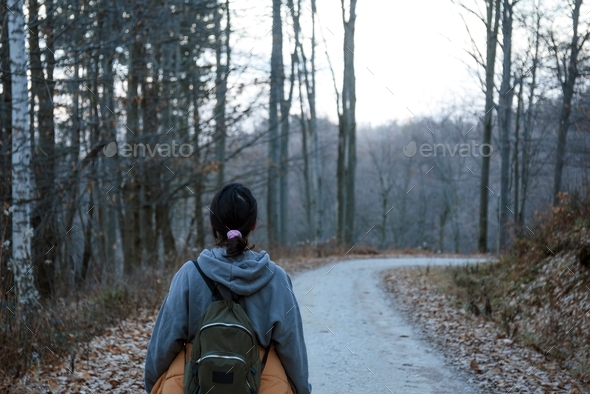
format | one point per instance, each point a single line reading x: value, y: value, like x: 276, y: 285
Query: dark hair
x: 233, y: 208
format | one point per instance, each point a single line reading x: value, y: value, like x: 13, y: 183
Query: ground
x: 359, y: 339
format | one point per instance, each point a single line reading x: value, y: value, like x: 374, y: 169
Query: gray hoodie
x: 267, y: 298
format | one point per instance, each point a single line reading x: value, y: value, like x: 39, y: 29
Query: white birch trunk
x: 21, y: 160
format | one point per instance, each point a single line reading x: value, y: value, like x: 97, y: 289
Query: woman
x: 266, y: 292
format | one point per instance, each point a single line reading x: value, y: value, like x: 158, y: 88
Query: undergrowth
x: 539, y: 292
x: 55, y: 328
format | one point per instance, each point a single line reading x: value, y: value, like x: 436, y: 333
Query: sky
x: 409, y: 55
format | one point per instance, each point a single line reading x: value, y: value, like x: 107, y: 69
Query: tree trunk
x: 567, y: 87
x: 285, y: 109
x: 21, y: 161
x: 110, y: 218
x: 517, y: 180
x: 504, y: 115
x: 149, y: 188
x: 274, y: 152
x: 165, y: 230
x: 347, y: 135
x: 384, y: 209
x: 87, y: 251
x: 221, y: 75
x: 283, y: 167
x: 5, y: 124
x: 132, y: 238
x: 441, y: 231
x: 43, y: 219
x: 340, y: 180
x: 528, y: 124
x: 200, y: 177
x: 492, y: 23
x: 307, y: 182
x: 316, y: 195
x: 318, y: 198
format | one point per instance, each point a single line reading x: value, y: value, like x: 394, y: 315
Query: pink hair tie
x: 233, y: 234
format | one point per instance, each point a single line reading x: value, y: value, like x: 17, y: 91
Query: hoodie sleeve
x: 290, y: 344
x: 170, y: 331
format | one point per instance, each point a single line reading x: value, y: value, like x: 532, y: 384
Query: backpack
x: 224, y: 358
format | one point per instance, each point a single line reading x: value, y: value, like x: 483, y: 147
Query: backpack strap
x: 212, y: 285
x: 266, y: 351
x: 217, y: 296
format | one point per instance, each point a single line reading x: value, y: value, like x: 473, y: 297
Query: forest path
x: 357, y: 342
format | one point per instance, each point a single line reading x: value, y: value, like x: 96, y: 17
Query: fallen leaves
x: 475, y: 344
x: 112, y: 362
x: 475, y: 367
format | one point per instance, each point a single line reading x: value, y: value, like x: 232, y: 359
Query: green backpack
x: 224, y: 358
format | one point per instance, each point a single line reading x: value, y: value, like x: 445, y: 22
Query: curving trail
x: 358, y: 343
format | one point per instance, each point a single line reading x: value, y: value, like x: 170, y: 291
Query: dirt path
x: 356, y: 341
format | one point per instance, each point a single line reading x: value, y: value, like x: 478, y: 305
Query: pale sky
x: 409, y: 55
x: 413, y: 48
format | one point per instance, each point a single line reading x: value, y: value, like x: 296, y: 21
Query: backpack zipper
x: 222, y: 356
x: 228, y: 325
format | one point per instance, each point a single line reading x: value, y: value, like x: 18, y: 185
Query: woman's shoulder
x: 188, y: 266
x: 279, y: 274
x: 183, y: 274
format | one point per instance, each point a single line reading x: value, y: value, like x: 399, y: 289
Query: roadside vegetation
x: 538, y: 294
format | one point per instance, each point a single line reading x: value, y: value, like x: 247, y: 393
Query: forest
x: 119, y: 121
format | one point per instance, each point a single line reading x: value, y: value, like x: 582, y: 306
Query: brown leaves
x: 474, y: 366
x: 477, y: 345
x: 112, y: 362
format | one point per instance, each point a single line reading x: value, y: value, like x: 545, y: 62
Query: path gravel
x: 358, y: 342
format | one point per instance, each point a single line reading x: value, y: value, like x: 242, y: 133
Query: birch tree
x: 21, y: 160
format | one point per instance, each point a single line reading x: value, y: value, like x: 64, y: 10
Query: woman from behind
x: 265, y: 291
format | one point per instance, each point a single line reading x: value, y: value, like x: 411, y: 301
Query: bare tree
x: 386, y: 167
x: 516, y: 155
x: 43, y: 218
x: 529, y: 117
x: 222, y: 70
x: 504, y: 115
x: 318, y: 199
x: 566, y: 68
x: 491, y: 22
x: 316, y: 211
x: 274, y: 147
x: 285, y: 109
x: 347, y: 134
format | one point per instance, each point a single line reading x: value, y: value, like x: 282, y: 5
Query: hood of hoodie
x: 244, y: 274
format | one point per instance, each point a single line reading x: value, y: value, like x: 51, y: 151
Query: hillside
x: 537, y: 296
